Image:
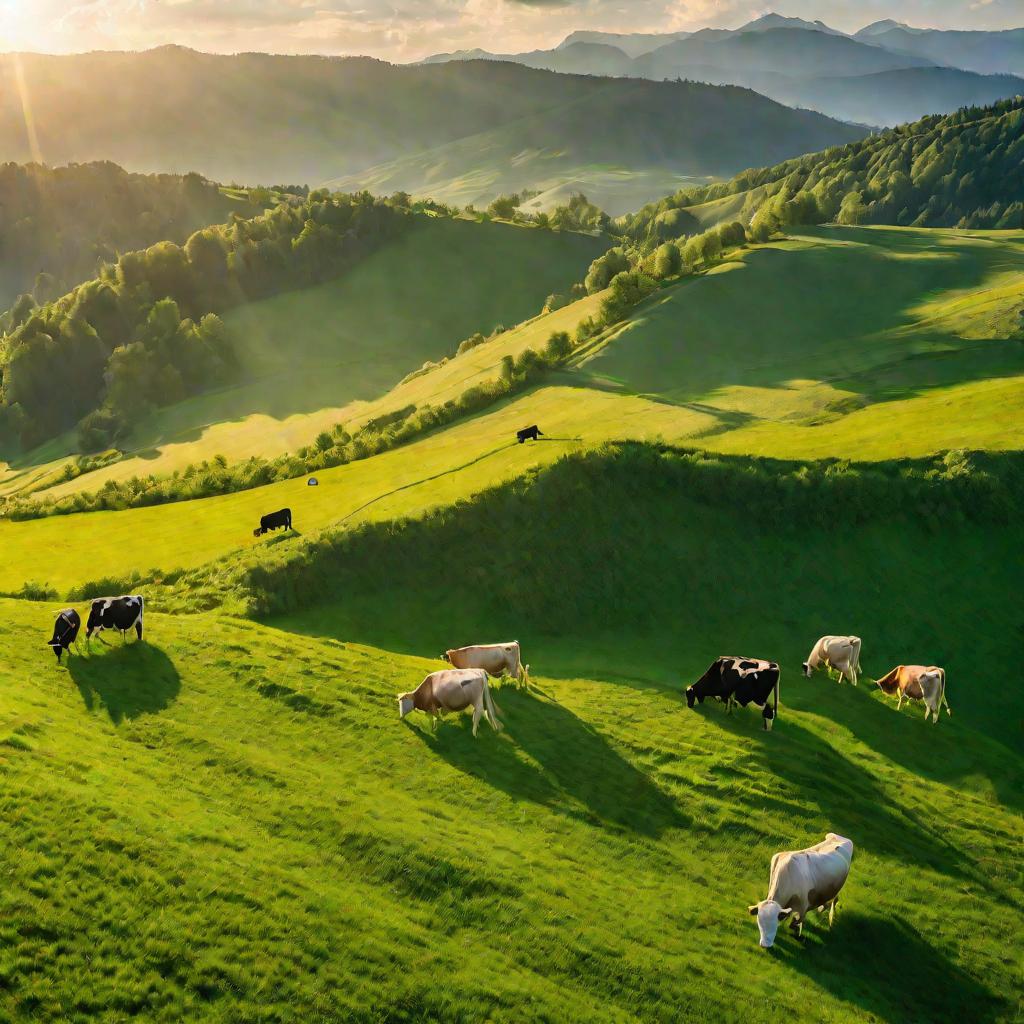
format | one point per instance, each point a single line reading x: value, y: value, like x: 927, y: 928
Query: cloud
x: 409, y: 29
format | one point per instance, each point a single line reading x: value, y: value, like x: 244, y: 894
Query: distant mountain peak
x: 877, y: 28
x: 772, y: 20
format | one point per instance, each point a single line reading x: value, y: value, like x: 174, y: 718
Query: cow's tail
x: 942, y: 696
x: 492, y: 711
x: 139, y: 624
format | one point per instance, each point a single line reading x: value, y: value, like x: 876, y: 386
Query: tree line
x: 964, y: 170
x: 146, y: 332
x: 60, y: 224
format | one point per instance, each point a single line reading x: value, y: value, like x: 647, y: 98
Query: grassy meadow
x: 312, y: 356
x: 228, y: 822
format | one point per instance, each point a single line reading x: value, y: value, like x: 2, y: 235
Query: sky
x: 403, y: 30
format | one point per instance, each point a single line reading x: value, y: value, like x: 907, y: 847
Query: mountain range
x: 460, y: 130
x: 807, y: 64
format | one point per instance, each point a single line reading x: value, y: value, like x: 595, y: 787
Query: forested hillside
x: 146, y: 332
x: 58, y: 224
x: 259, y: 118
x: 963, y: 170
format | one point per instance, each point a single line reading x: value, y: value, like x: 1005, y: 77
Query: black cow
x: 272, y: 520
x: 65, y: 632
x: 529, y: 433
x: 120, y: 613
x: 739, y: 681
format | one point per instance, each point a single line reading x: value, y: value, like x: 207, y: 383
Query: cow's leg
x: 899, y: 703
x: 477, y: 711
x: 138, y: 630
x: 832, y: 911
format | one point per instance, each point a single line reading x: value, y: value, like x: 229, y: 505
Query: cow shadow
x: 130, y: 679
x: 550, y: 757
x: 945, y: 752
x: 847, y: 796
x: 887, y: 969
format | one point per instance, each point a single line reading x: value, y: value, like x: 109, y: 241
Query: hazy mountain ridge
x: 808, y: 64
x: 261, y: 118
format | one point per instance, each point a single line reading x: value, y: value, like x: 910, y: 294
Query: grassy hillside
x: 259, y: 118
x: 959, y: 170
x: 312, y: 357
x: 229, y: 821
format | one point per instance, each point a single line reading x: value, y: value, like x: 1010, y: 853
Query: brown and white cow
x: 452, y: 689
x: 918, y: 682
x: 494, y: 659
x: 841, y: 653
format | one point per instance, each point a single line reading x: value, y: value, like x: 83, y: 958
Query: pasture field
x: 228, y: 822
x: 918, y: 350
x: 312, y: 355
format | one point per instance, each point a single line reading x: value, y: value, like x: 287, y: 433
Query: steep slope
x: 262, y: 118
x: 228, y: 822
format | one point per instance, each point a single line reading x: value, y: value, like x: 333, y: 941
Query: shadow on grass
x: 946, y: 752
x: 130, y: 679
x: 574, y: 769
x: 849, y: 799
x: 888, y: 970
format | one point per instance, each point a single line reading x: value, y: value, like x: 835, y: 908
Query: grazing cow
x: 272, y: 520
x: 452, y: 689
x: 495, y: 659
x: 800, y: 881
x: 841, y: 653
x: 120, y: 613
x: 65, y: 632
x: 918, y: 682
x: 529, y: 433
x: 739, y: 681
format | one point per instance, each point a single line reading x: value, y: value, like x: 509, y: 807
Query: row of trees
x: 146, y: 331
x: 59, y: 224
x: 964, y: 169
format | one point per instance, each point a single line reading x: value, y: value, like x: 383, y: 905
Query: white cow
x: 803, y: 880
x: 452, y: 689
x: 841, y: 653
x: 494, y: 659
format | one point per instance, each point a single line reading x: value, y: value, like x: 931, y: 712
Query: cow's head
x: 56, y: 646
x: 258, y: 532
x: 690, y: 696
x: 405, y: 704
x: 807, y: 669
x: 768, y: 913
x: 447, y: 656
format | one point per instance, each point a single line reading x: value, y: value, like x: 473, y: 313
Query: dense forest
x: 964, y: 170
x: 145, y: 332
x: 59, y: 224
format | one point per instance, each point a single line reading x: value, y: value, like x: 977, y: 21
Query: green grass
x: 311, y: 357
x: 228, y: 822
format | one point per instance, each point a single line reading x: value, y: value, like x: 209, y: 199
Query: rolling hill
x: 258, y: 118
x: 895, y: 365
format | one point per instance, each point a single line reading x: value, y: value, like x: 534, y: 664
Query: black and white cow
x: 272, y: 520
x: 529, y: 433
x: 739, y: 681
x: 120, y: 613
x: 65, y: 632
